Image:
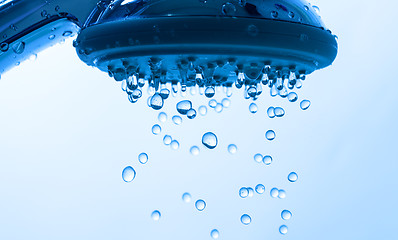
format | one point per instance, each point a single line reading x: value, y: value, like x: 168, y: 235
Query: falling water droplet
x: 229, y: 9
x: 200, y: 205
x: 191, y: 113
x: 214, y: 234
x: 232, y: 148
x: 156, y: 129
x: 184, y: 106
x: 67, y: 33
x: 51, y: 37
x: 271, y: 112
x: 162, y: 117
x: 286, y: 214
x: 279, y: 112
x: 175, y: 145
x: 281, y: 194
x: 305, y: 104
x: 245, y: 219
x: 210, y: 140
x: 164, y: 93
x: 267, y: 160
x: 194, y: 150
x: 274, y: 192
x: 292, y: 97
x: 177, y: 120
x: 19, y: 47
x: 251, y: 191
x: 186, y: 197
x: 243, y: 192
x: 203, y: 110
x: 143, y: 158
x: 128, y: 174
x: 210, y: 92
x: 226, y: 102
x: 283, y: 229
x: 212, y: 103
x: 156, y: 101
x: 155, y: 215
x: 292, y: 177
x: 270, y: 135
x: 258, y: 157
x: 219, y: 107
x: 167, y: 140
x: 260, y: 189
x: 253, y: 108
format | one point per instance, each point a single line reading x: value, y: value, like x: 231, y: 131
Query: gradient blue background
x: 67, y: 131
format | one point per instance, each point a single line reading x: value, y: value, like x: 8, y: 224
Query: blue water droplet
x: 212, y: 103
x: 260, y: 189
x: 177, y: 120
x: 283, y: 229
x: 226, y: 102
x: 270, y: 135
x: 164, y: 93
x: 167, y: 140
x: 279, y: 112
x: 281, y: 194
x: 305, y: 104
x: 245, y: 219
x: 243, y: 192
x: 128, y: 174
x: 210, y: 140
x: 271, y: 112
x: 156, y: 101
x: 186, y: 197
x: 184, y: 106
x: 292, y: 177
x: 194, y: 150
x: 292, y: 97
x: 253, y: 108
x: 214, y: 234
x: 210, y: 92
x: 143, y: 158
x: 191, y: 113
x: 175, y: 145
x: 200, y: 205
x: 219, y: 107
x: 274, y: 192
x: 232, y: 148
x: 156, y: 129
x: 155, y: 215
x: 258, y: 157
x: 162, y: 117
x: 267, y: 160
x: 251, y: 191
x: 286, y: 214
x: 203, y: 110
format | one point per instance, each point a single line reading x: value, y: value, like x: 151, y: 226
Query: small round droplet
x: 252, y: 30
x: 260, y: 189
x: 210, y: 140
x: 292, y: 97
x: 19, y: 47
x: 184, y: 106
x: 305, y: 104
x: 251, y: 191
x: 212, y: 103
x: 243, y: 192
x: 175, y: 145
x: 286, y: 214
x: 162, y: 117
x: 128, y: 174
x: 219, y: 107
x: 200, y: 205
x: 51, y: 37
x: 279, y: 112
x: 253, y: 108
x: 210, y: 92
x: 156, y: 101
x: 292, y: 177
x: 143, y: 158
x: 203, y: 110
x: 281, y: 194
x: 229, y: 9
x: 214, y: 234
x: 267, y: 160
x: 156, y: 129
x: 191, y: 113
x: 271, y: 112
x: 232, y: 148
x: 167, y: 140
x: 67, y: 33
x: 274, y: 192
x: 186, y: 197
x: 258, y: 157
x: 245, y: 219
x: 226, y: 102
x: 270, y: 135
x: 283, y: 229
x: 194, y: 150
x: 274, y: 14
x: 164, y: 93
x: 177, y: 120
x: 155, y: 215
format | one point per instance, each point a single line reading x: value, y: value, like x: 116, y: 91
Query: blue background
x: 67, y: 131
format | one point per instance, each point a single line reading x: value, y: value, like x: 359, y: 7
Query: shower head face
x: 207, y: 43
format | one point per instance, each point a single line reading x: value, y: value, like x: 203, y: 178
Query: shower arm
x: 25, y: 25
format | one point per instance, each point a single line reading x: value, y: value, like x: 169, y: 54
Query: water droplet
x: 258, y: 157
x: 186, y: 197
x: 143, y: 158
x: 212, y: 103
x: 292, y: 177
x: 164, y: 93
x: 210, y: 92
x: 286, y: 214
x: 245, y: 219
x: 184, y: 106
x: 156, y: 129
x: 219, y: 107
x: 214, y: 234
x: 283, y: 229
x: 137, y: 93
x: 18, y: 47
x: 270, y: 135
x: 229, y: 9
x: 226, y: 102
x: 191, y: 113
x: 292, y: 97
x: 305, y: 104
x: 252, y: 30
x: 279, y: 112
x: 162, y: 117
x: 175, y: 145
x: 67, y: 33
x: 274, y: 14
x: 155, y: 215
x: 316, y: 8
x: 203, y: 110
x: 156, y: 101
x: 232, y: 148
x: 243, y: 192
x: 4, y: 47
x: 194, y: 150
x: 260, y: 189
x: 274, y: 192
x: 251, y: 191
x: 51, y: 37
x: 267, y: 160
x: 200, y: 205
x: 252, y: 92
x: 291, y: 14
x: 281, y: 194
x: 210, y: 140
x: 128, y: 174
x: 177, y: 120
x: 271, y: 112
x: 167, y: 140
x: 253, y: 108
